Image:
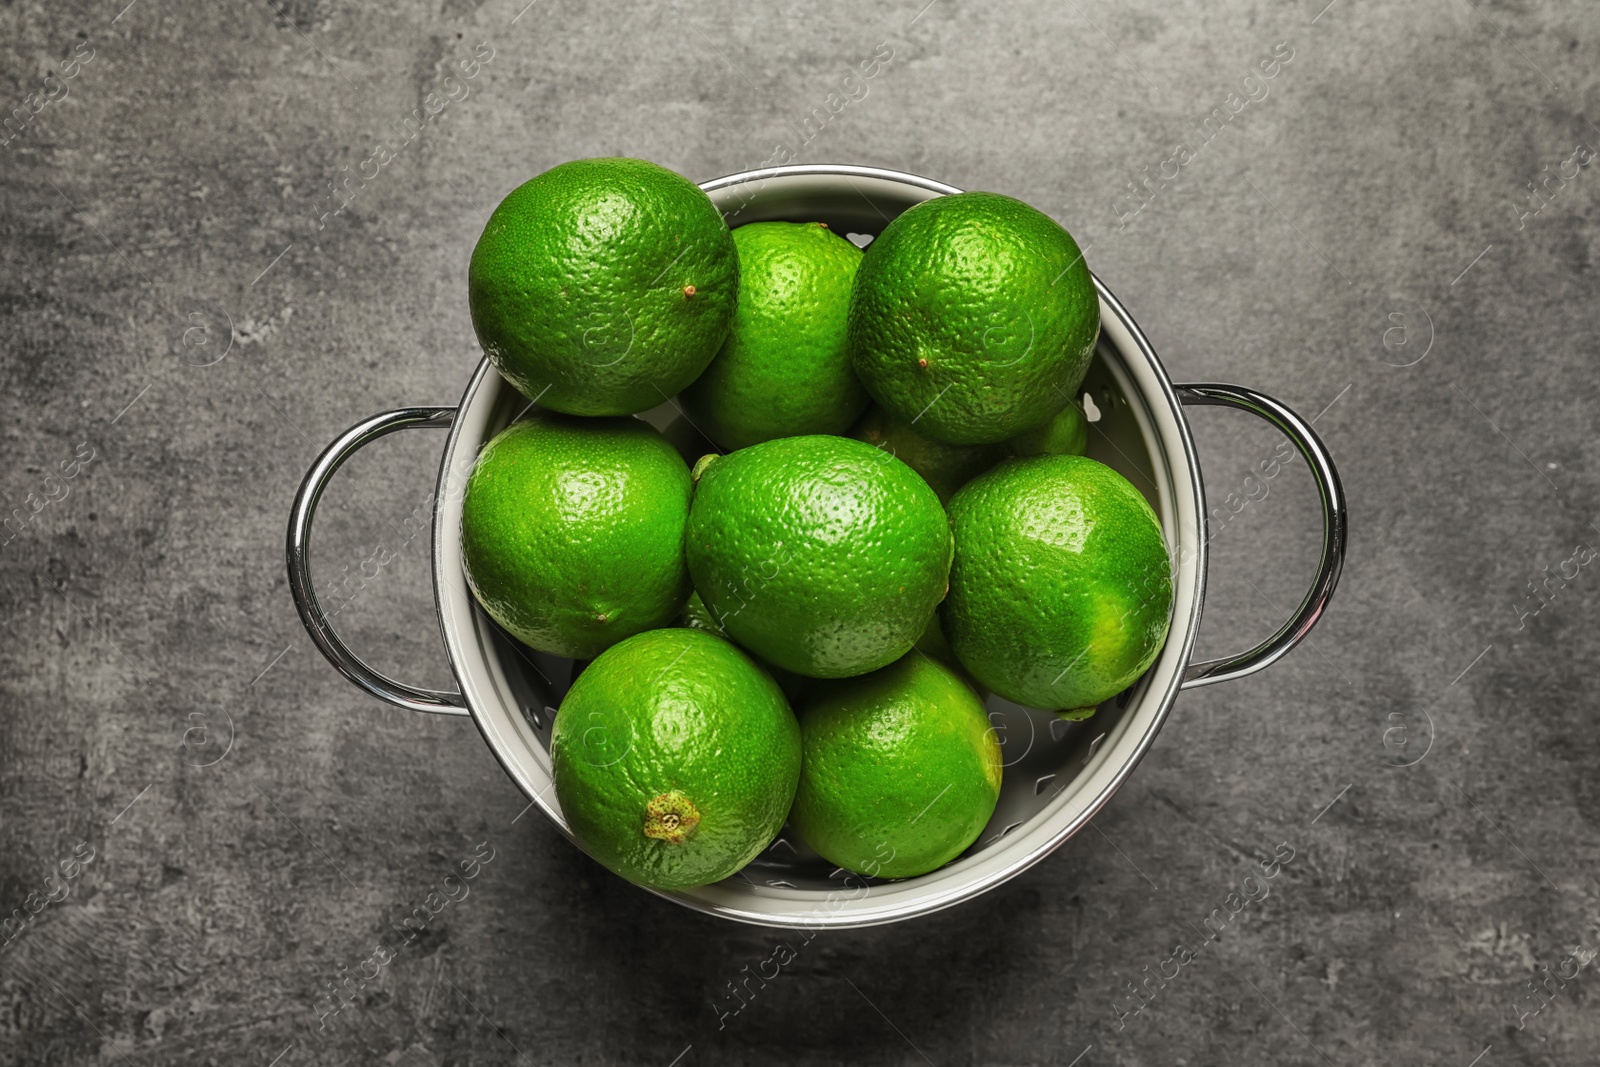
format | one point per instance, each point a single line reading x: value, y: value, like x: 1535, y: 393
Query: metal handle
x: 305, y: 594
x: 1292, y: 632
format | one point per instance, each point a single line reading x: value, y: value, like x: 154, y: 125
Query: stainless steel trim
x: 297, y: 552
x: 1334, y: 520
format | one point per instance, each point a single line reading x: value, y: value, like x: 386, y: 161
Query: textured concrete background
x: 227, y: 827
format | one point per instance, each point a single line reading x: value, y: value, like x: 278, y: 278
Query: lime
x: 675, y: 758
x: 900, y: 770
x: 932, y: 643
x: 945, y: 468
x: 1065, y: 435
x: 820, y: 554
x: 1061, y: 590
x: 784, y: 370
x: 696, y: 616
x: 603, y: 286
x: 973, y: 317
x: 572, y: 531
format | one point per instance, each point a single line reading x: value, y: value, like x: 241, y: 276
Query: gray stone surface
x: 175, y: 185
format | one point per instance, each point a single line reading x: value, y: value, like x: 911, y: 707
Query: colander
x: 1058, y: 774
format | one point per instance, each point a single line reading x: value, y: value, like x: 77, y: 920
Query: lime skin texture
x: 822, y: 555
x: 945, y: 468
x: 973, y: 317
x: 901, y: 769
x: 1065, y: 435
x: 572, y: 531
x: 1061, y: 590
x: 675, y: 758
x: 603, y: 286
x: 784, y: 370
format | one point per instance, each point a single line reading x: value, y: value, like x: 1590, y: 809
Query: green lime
x: 820, y: 554
x: 973, y: 317
x: 696, y: 616
x: 933, y: 643
x: 572, y: 531
x: 675, y: 758
x: 1065, y: 435
x: 603, y: 286
x: 900, y: 770
x: 945, y: 468
x: 784, y: 370
x: 1061, y: 591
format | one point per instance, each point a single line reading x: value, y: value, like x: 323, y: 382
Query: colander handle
x: 1330, y: 492
x: 305, y: 593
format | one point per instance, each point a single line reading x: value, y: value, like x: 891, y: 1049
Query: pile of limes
x: 898, y: 514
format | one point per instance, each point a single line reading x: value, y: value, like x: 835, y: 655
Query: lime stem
x: 670, y: 817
